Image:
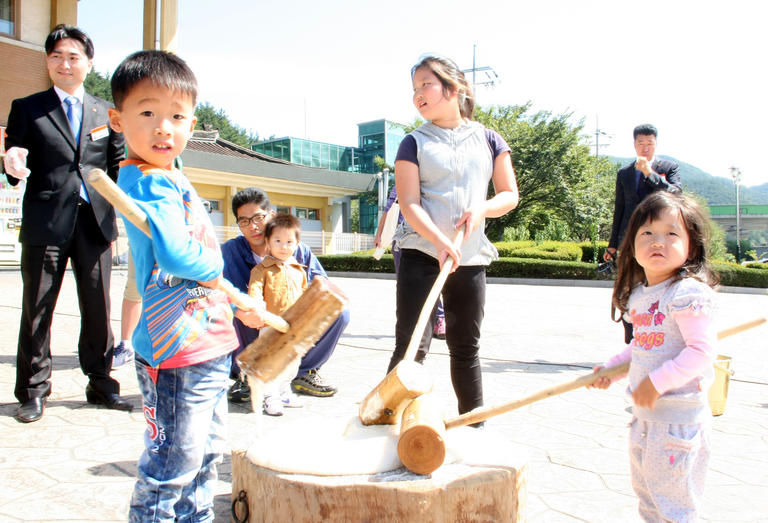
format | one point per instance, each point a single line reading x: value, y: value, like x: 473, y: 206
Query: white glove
x: 15, y: 162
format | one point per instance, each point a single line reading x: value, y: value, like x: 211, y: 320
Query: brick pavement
x: 78, y: 462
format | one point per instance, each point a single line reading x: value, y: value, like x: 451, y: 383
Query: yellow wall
x: 225, y: 194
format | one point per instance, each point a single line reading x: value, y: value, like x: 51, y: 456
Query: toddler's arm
x: 622, y: 357
x: 256, y: 284
x: 697, y: 329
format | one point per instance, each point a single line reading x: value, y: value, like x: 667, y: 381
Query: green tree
x: 208, y: 117
x: 97, y: 84
x: 561, y: 186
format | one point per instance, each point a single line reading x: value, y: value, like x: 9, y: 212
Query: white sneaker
x: 291, y: 400
x: 273, y: 405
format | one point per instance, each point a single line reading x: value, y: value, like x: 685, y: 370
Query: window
x: 215, y: 205
x: 7, y: 17
x: 303, y: 213
x: 283, y: 210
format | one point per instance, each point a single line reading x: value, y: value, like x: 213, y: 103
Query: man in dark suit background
x: 54, y: 139
x: 634, y: 182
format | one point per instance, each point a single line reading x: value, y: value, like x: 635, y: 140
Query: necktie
x: 73, y: 115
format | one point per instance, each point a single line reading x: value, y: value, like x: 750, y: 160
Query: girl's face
x: 282, y: 243
x: 662, y: 246
x: 430, y: 100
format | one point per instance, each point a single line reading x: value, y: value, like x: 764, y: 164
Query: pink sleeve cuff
x: 622, y: 357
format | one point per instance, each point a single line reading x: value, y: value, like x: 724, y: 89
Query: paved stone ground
x: 79, y: 461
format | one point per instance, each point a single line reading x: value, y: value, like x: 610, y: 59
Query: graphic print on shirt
x: 180, y: 311
x: 644, y: 337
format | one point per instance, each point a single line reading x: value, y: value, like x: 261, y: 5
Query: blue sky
x: 693, y: 68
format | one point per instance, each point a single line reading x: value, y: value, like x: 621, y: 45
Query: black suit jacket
x: 58, y: 165
x: 663, y: 178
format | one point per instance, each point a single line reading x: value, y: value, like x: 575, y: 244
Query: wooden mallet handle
x: 133, y: 213
x: 429, y: 304
x: 483, y: 413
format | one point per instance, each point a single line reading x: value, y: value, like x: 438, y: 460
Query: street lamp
x: 736, y: 175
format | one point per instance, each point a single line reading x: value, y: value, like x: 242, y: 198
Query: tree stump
x: 483, y: 480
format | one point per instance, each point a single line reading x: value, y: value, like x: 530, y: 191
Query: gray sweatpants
x: 669, y: 465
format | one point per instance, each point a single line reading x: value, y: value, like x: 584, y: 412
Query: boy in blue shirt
x: 185, y: 335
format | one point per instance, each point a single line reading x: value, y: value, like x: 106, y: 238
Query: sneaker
x: 439, y: 330
x: 239, y: 392
x: 273, y: 405
x: 291, y: 400
x: 312, y: 384
x: 121, y: 356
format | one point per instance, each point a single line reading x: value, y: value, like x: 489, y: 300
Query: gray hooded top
x: 455, y: 166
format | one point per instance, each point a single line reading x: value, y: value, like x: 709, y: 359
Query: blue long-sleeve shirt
x: 182, y: 323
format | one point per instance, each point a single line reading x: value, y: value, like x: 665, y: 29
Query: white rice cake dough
x: 321, y: 446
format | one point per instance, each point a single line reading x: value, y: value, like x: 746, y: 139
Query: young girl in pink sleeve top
x: 664, y: 287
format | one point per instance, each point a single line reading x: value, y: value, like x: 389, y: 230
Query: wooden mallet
x: 408, y: 380
x: 264, y: 359
x: 421, y: 446
x: 133, y: 213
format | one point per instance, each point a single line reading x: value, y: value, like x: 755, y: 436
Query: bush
x: 759, y: 266
x: 505, y: 248
x: 588, y: 254
x: 527, y: 268
x: 513, y: 267
x: 549, y: 250
x: 357, y: 262
x: 737, y: 276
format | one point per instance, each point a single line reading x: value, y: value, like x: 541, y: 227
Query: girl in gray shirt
x: 442, y: 172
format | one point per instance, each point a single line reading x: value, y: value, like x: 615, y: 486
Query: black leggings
x: 463, y: 301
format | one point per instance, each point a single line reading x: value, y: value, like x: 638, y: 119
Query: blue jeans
x: 185, y: 409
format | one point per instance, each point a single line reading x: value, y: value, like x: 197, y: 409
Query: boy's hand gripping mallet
x: 131, y: 212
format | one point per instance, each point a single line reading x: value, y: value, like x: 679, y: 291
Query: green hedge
x: 588, y: 251
x: 549, y: 250
x: 357, y: 262
x: 730, y: 274
x: 738, y: 276
x: 550, y: 269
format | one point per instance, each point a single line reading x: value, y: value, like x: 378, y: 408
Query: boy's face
x: 156, y: 123
x: 282, y: 243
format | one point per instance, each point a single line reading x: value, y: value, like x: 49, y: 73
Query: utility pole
x: 736, y: 175
x: 599, y: 132
x: 490, y: 75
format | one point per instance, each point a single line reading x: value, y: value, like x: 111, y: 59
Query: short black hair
x: 645, y: 129
x: 250, y: 195
x: 62, y: 31
x: 162, y: 68
x: 284, y: 221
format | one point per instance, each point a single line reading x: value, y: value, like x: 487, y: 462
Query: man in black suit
x: 633, y: 183
x: 54, y: 139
